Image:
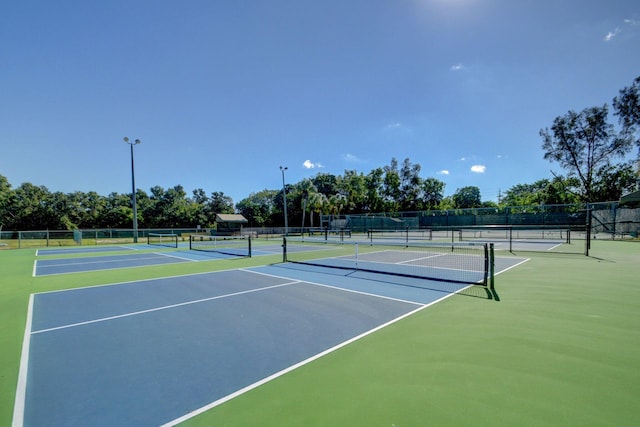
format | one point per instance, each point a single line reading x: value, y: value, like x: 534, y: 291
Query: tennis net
x: 160, y: 239
x: 227, y: 245
x: 400, y: 235
x: 467, y: 263
x: 532, y: 236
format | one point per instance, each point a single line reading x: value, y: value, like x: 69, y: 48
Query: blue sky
x: 222, y: 93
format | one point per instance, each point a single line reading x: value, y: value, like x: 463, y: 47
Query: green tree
x: 374, y: 187
x: 467, y: 197
x: 354, y: 187
x: 391, y: 187
x: 613, y: 181
x: 7, y: 216
x: 305, y: 189
x: 118, y: 212
x: 410, y: 186
x: 326, y: 183
x: 317, y: 204
x: 336, y: 203
x: 560, y: 190
x: 581, y: 143
x: 627, y: 107
x: 31, y: 204
x: 432, y: 193
x: 219, y: 203
x: 258, y: 208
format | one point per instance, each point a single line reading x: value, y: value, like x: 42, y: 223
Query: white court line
x: 82, y: 261
x: 335, y: 287
x: 166, y: 307
x: 174, y: 256
x: 297, y: 365
x: 21, y: 389
x: 420, y: 258
x: 513, y: 266
x: 432, y: 267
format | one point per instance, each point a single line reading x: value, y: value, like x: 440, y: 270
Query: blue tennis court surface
x: 50, y: 266
x: 150, y: 352
x: 44, y: 267
x: 84, y: 250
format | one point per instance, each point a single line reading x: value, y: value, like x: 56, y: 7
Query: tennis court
x: 504, y: 238
x: 58, y: 262
x: 85, y: 250
x: 159, y: 351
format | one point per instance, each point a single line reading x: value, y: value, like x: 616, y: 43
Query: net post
x: 284, y: 249
x: 587, y: 243
x: 492, y: 267
x: 249, y: 246
x: 511, y: 239
x: 356, y: 255
x: 486, y: 264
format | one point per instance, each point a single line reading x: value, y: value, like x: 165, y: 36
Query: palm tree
x: 317, y: 203
x: 306, y: 188
x: 336, y: 203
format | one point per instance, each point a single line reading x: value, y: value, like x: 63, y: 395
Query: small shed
x: 230, y: 224
x: 631, y: 199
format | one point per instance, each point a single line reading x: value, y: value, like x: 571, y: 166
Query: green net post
x: 249, y: 246
x: 284, y: 249
x: 487, y: 264
x: 510, y: 239
x: 492, y: 267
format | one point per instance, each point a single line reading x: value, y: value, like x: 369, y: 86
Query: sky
x: 222, y: 93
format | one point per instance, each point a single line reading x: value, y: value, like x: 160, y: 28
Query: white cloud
x: 351, y: 158
x: 310, y: 165
x: 443, y: 172
x: 456, y: 67
x: 611, y: 34
x: 396, y: 127
x: 478, y: 168
x: 633, y: 22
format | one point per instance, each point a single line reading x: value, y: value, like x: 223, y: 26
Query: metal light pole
x: 133, y: 191
x: 284, y: 197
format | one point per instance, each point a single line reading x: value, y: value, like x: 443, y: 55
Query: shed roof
x: 631, y: 198
x: 230, y: 218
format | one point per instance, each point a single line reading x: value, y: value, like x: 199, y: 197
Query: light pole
x: 133, y: 191
x: 284, y: 198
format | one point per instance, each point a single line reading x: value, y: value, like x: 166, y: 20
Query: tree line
x: 590, y: 150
